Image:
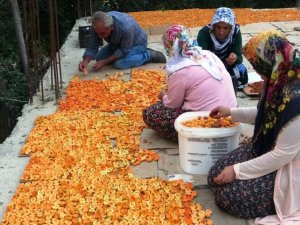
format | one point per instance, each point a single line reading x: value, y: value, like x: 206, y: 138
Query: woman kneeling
x: 196, y: 81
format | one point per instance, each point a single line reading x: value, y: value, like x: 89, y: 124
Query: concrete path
x: 12, y: 166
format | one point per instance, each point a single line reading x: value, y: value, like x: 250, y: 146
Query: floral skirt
x: 243, y: 198
x: 161, y: 119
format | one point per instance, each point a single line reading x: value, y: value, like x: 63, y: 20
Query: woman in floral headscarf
x: 262, y: 178
x: 223, y: 37
x: 196, y: 80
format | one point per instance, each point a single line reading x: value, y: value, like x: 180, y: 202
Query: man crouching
x: 127, y: 43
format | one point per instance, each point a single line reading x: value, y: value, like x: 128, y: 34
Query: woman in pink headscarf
x: 196, y: 81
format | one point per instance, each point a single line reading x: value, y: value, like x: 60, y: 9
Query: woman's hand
x: 231, y: 59
x: 226, y: 176
x: 161, y: 94
x: 220, y: 111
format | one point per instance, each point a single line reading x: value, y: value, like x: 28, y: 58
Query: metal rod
x: 53, y: 49
x: 40, y: 60
x: 57, y: 43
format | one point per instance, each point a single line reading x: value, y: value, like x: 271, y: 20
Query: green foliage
x: 7, y: 37
x: 66, y: 16
x: 13, y: 84
x: 12, y: 81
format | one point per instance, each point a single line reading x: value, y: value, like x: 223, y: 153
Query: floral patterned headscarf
x: 179, y: 38
x: 183, y: 51
x: 274, y: 57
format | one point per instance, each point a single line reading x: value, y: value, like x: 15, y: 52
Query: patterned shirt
x: 125, y: 35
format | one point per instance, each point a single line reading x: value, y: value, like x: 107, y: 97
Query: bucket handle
x: 188, y: 131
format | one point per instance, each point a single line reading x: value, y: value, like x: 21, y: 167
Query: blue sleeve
x: 126, y: 42
x: 93, y: 45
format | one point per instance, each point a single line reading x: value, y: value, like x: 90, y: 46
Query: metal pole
x: 57, y: 43
x: 53, y: 48
x: 79, y: 10
x: 39, y: 47
x: 91, y: 7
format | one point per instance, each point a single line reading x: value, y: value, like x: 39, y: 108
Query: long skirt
x: 161, y: 119
x: 243, y: 198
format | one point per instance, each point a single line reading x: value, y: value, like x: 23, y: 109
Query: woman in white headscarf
x: 223, y: 37
x: 196, y: 79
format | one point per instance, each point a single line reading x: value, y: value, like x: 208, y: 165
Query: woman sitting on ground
x: 196, y: 80
x: 223, y: 37
x: 262, y: 178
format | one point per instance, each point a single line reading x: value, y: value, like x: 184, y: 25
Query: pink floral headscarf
x: 183, y: 51
x: 178, y: 37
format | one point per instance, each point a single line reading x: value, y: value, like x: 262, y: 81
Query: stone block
x: 162, y: 175
x: 296, y: 29
x: 146, y: 29
x: 199, y: 181
x: 150, y: 140
x: 146, y: 170
x: 294, y: 39
x: 152, y: 66
x: 159, y: 29
x: 255, y: 28
x: 160, y: 161
x: 173, y: 151
x: 286, y: 26
x: 171, y: 164
x: 104, y: 73
x: 207, y: 200
x: 154, y: 38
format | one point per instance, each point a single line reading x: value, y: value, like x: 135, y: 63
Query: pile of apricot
x: 256, y: 87
x: 209, y: 122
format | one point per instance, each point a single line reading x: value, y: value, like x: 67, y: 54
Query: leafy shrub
x: 13, y: 83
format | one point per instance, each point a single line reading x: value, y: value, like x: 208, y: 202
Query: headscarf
x: 225, y: 15
x: 183, y: 51
x: 273, y: 56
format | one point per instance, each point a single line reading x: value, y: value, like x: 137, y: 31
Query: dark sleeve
x: 237, y: 47
x: 203, y: 38
x: 93, y: 45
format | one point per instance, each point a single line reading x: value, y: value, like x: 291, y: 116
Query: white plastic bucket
x: 200, y: 148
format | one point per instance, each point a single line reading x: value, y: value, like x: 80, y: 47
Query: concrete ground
x: 12, y: 166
